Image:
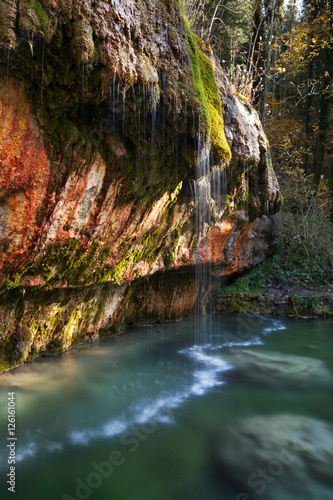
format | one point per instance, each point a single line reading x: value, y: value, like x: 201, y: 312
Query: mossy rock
x: 35, y: 20
x: 83, y: 44
x: 208, y: 98
x: 7, y: 25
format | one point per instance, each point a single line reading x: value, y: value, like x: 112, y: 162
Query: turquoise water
x: 135, y: 417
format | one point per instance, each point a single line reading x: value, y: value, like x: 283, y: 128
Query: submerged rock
x: 279, y: 457
x: 280, y: 370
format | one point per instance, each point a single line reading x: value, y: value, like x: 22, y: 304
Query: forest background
x: 279, y: 57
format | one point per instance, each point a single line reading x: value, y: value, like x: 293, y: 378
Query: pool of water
x: 135, y: 417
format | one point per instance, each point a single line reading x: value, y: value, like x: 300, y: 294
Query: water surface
x: 135, y: 417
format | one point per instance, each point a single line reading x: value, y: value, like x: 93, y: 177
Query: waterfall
x: 176, y: 129
x: 144, y: 126
x: 8, y: 70
x: 246, y: 189
x: 32, y: 66
x: 219, y: 190
x: 153, y: 130
x: 42, y: 84
x: 114, y: 106
x: 124, y: 112
x: 164, y: 117
x: 83, y: 85
x: 203, y: 223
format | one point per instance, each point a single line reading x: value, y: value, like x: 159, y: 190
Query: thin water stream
x: 135, y: 417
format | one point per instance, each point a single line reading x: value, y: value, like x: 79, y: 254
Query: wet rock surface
x: 107, y: 108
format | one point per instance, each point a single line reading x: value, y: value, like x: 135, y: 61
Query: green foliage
x: 303, y: 260
x: 227, y: 31
x: 311, y: 305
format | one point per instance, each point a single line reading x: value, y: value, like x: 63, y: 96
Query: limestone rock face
x: 114, y: 167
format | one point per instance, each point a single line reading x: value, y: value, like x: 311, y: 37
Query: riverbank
x: 296, y: 281
x: 281, y: 301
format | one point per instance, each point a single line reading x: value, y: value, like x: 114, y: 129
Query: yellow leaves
x: 31, y: 47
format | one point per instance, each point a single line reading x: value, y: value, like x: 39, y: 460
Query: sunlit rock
x: 115, y: 166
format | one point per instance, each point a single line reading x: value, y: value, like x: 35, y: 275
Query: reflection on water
x: 158, y: 391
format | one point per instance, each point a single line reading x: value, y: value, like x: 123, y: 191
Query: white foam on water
x: 197, y: 353
x: 82, y: 437
x: 208, y: 378
x: 276, y: 326
x: 113, y: 428
x: 249, y: 343
x: 52, y: 447
x: 205, y: 380
x: 29, y: 451
x: 158, y: 408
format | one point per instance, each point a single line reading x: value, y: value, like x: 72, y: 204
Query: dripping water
x: 203, y: 223
x: 118, y: 106
x: 32, y: 67
x: 176, y: 131
x: 185, y: 138
x: 139, y: 129
x: 8, y: 70
x: 194, y: 129
x: 163, y: 119
x: 153, y: 130
x: 123, y: 119
x: 144, y: 125
x: 219, y: 190
x: 114, y: 106
x: 246, y: 188
x: 42, y: 87
x: 83, y: 88
x: 267, y: 207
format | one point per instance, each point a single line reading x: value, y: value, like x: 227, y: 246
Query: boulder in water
x: 280, y: 370
x: 278, y: 457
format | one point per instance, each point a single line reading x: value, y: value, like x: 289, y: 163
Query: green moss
x: 220, y: 146
x: 34, y: 19
x: 169, y: 259
x: 119, y: 270
x: 201, y: 44
x: 208, y: 97
x: 196, y: 75
x: 243, y: 98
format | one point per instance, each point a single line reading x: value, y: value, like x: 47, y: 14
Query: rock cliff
x: 118, y: 178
